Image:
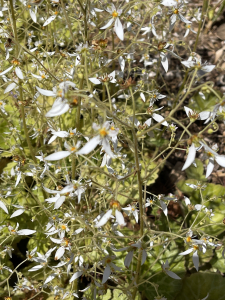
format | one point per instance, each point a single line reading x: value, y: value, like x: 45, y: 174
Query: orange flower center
x: 188, y: 239
x: 115, y: 14
x: 63, y: 227
x: 103, y: 132
x: 175, y: 11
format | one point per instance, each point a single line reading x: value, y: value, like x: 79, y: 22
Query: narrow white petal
x: 59, y: 110
x: 119, y: 29
x: 172, y: 275
x: 25, y: 232
x: 57, y: 241
x: 135, y: 213
x: 142, y: 96
x: 45, y: 92
x: 190, y: 158
x: 58, y: 155
x: 95, y: 80
x: 36, y: 76
x: 90, y: 146
x: 33, y: 15
x: 195, y: 260
x: 75, y: 276
x: 59, y: 202
x: 120, y: 218
x: 2, y: 205
x: 144, y: 256
x: 206, y: 297
x: 106, y: 274
x: 6, y: 71
x: 49, y: 20
x: 122, y: 63
x: 17, y: 213
x: 164, y: 61
x: 79, y: 230
x: 36, y: 268
x: 169, y: 3
x: 188, y: 64
x: 19, y: 73
x: 50, y: 278
x: 173, y: 19
x: 204, y: 115
x: 183, y: 19
x: 104, y: 219
x: 10, y: 87
x: 128, y: 259
x: 199, y: 207
x: 52, y: 139
x: 108, y: 24
x: 59, y: 253
x: 186, y: 252
x: 159, y: 119
x: 187, y: 200
x: 187, y: 32
x: 210, y: 167
x: 208, y: 68
x: 220, y: 159
x: 188, y: 111
x: 164, y: 207
x: 106, y: 147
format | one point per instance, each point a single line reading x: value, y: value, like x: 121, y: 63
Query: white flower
x: 165, y: 267
x: 213, y: 156
x: 79, y: 273
x: 106, y: 132
x: 131, y: 209
x: 109, y: 214
x: 62, y: 154
x: 109, y: 267
x: 190, y: 157
x: 15, y: 231
x: 115, y: 17
x: 197, y: 245
x: 42, y: 260
x: 188, y: 26
x: 177, y: 14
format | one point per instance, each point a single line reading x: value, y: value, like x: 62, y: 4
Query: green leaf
x: 198, y: 285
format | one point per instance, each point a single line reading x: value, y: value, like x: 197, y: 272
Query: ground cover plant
x: 112, y: 150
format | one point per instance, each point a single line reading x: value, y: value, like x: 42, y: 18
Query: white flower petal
x: 2, y: 205
x: 95, y: 80
x: 220, y: 159
x: 172, y: 274
x: 6, y: 71
x: 128, y: 259
x: 187, y: 200
x: 119, y: 29
x: 106, y: 274
x: 19, y: 73
x: 33, y: 15
x: 195, y: 260
x: 159, y: 119
x: 49, y: 20
x: 120, y: 218
x: 45, y: 92
x: 190, y: 158
x: 164, y: 207
x: 59, y: 253
x: 142, y: 96
x: 36, y: 268
x: 25, y: 232
x: 208, y: 68
x: 75, y: 276
x: 210, y: 167
x: 58, y: 155
x: 90, y: 146
x: 10, y: 87
x: 186, y: 252
x: 169, y: 3
x: 79, y: 230
x: 50, y: 278
x: 57, y: 241
x: 62, y: 108
x: 106, y: 147
x: 17, y: 213
x: 104, y: 219
x: 122, y: 63
x: 143, y: 257
x: 59, y: 202
x: 183, y: 19
x: 204, y: 115
x: 164, y: 61
x: 108, y: 24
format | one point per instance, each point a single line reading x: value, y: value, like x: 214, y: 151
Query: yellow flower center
x: 43, y: 76
x: 73, y: 148
x: 108, y: 260
x: 103, y: 132
x: 63, y: 227
x: 56, y: 13
x: 175, y: 11
x: 195, y: 247
x: 188, y: 239
x: 210, y: 154
x: 115, y: 14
